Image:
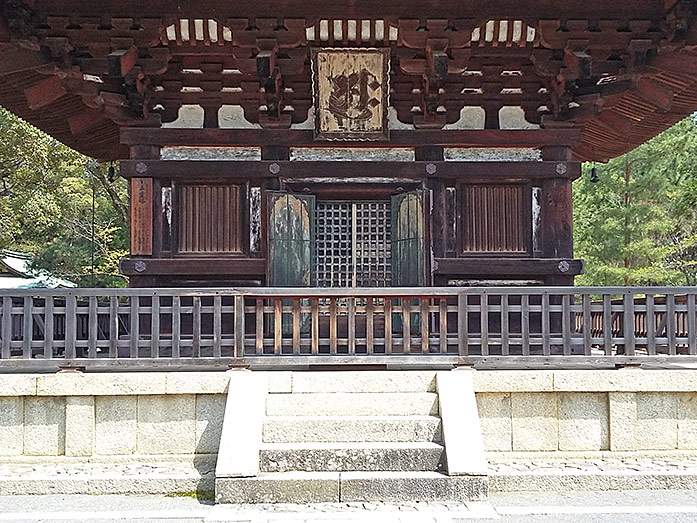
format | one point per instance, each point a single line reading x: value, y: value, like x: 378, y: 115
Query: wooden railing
x: 509, y: 326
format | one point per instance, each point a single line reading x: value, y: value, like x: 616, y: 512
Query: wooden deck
x: 503, y: 327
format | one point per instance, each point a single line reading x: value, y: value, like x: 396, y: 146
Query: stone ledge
x: 621, y: 380
x: 18, y: 384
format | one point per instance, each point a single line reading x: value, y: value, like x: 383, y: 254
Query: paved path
x: 603, y: 507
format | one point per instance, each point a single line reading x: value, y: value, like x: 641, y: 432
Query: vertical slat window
x: 494, y: 218
x: 210, y: 218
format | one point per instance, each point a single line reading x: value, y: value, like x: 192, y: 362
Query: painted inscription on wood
x: 351, y: 93
x: 141, y: 216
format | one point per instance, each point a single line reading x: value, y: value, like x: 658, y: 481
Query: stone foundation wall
x: 168, y: 413
x: 74, y: 414
x: 579, y: 411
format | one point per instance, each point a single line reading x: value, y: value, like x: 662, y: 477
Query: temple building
x: 402, y: 145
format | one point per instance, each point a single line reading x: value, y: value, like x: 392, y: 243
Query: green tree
x: 46, y: 194
x: 637, y: 225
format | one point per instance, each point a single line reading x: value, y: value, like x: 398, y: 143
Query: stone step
x: 398, y: 456
x: 353, y: 404
x: 333, y: 487
x: 364, y: 381
x: 404, y: 487
x: 288, y: 429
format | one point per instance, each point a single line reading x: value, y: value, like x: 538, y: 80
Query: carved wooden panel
x: 210, y: 218
x: 141, y: 216
x: 351, y: 92
x: 494, y: 218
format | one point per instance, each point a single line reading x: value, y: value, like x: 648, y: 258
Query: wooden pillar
x: 145, y: 206
x: 556, y: 215
x: 437, y: 233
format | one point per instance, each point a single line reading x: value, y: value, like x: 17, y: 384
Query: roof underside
x: 622, y: 72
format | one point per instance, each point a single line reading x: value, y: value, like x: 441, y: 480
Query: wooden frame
x: 335, y: 111
x: 247, y: 170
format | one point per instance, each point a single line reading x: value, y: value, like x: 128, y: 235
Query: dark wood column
x: 557, y: 215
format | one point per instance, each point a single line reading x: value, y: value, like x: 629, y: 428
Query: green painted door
x: 291, y: 239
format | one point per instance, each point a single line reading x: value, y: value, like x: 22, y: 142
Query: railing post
x: 484, y: 322
x: 691, y: 325
x: 650, y: 325
x: 92, y: 328
x: 196, y: 341
x: 546, y: 349
x: 217, y: 326
x: 70, y: 326
x: 240, y: 326
x: 48, y: 328
x: 6, y: 326
x: 566, y: 324
x: 629, y: 338
x: 671, y: 324
x: 587, y: 324
x: 607, y: 324
x: 114, y: 326
x: 525, y: 323
x: 462, y: 325
x: 504, y: 326
x: 27, y: 324
x: 135, y: 325
x: 155, y: 326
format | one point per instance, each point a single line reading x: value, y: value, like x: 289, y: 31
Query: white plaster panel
x: 492, y: 154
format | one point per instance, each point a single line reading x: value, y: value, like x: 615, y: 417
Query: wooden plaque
x: 141, y: 216
x: 351, y: 88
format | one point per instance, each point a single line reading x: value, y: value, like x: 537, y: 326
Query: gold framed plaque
x: 351, y: 89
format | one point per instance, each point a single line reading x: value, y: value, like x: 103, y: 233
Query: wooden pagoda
x: 329, y: 144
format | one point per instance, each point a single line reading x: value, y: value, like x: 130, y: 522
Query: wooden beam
x: 84, y: 121
x: 17, y: 59
x: 451, y: 9
x: 121, y: 61
x: 507, y: 267
x: 44, y: 93
x: 302, y: 138
x: 231, y: 169
x: 202, y: 265
x: 655, y: 93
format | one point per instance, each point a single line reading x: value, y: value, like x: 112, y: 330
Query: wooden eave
x: 81, y: 70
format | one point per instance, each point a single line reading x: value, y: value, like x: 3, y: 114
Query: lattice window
x: 373, y: 249
x: 352, y: 246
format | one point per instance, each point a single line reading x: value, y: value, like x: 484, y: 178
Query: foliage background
x: 638, y: 224
x: 46, y: 206
x: 639, y: 229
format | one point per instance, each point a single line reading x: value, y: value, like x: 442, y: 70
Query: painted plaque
x: 351, y: 93
x: 141, y: 216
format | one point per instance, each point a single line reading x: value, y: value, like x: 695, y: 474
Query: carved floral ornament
x: 351, y: 88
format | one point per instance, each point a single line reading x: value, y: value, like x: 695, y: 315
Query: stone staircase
x: 353, y: 437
